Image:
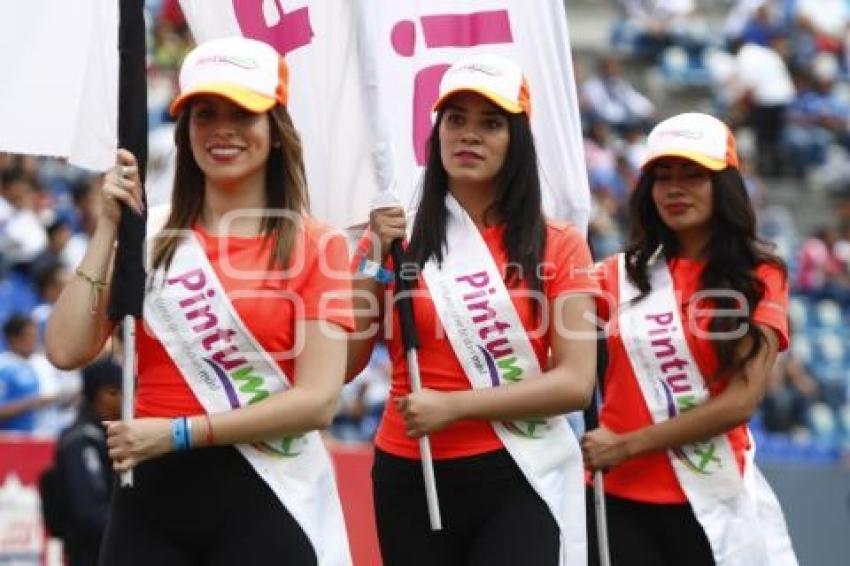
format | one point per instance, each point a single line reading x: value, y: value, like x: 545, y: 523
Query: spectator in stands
x: 170, y: 45
x: 363, y: 399
x: 841, y: 249
x: 756, y: 21
x: 819, y: 116
x: 764, y: 89
x: 808, y: 143
x: 64, y: 386
x: 24, y: 236
x: 83, y: 464
x: 50, y: 280
x: 653, y: 25
x: 601, y: 158
x: 64, y: 248
x: 826, y: 22
x: 20, y: 397
x: 763, y: 27
x: 171, y: 14
x: 820, y: 272
x: 755, y: 186
x: 87, y: 205
x: 611, y: 176
x: 634, y: 150
x: 612, y: 99
x: 683, y: 380
x: 790, y: 393
x: 604, y: 232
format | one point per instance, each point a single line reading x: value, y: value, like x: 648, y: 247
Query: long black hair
x: 732, y: 255
x: 518, y: 204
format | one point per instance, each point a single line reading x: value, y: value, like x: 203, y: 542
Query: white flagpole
x: 382, y: 155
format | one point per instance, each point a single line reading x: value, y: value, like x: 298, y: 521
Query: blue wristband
x: 179, y: 434
x: 373, y: 269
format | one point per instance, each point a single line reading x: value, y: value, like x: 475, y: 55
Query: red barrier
x: 27, y: 458
x: 353, y: 469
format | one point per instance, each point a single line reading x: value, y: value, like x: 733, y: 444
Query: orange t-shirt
x: 264, y: 300
x: 565, y: 270
x: 650, y: 477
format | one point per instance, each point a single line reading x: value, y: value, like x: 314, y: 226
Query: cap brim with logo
x: 697, y: 137
x: 495, y: 78
x: 247, y: 72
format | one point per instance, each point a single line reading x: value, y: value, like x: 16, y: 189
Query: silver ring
x: 126, y: 171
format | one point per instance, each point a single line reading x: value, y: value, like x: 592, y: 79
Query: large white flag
x: 365, y: 73
x: 59, y: 86
x: 410, y: 44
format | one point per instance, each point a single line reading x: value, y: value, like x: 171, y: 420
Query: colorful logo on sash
x: 239, y: 379
x: 671, y: 371
x: 492, y: 342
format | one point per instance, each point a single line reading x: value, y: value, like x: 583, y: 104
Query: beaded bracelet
x: 95, y: 285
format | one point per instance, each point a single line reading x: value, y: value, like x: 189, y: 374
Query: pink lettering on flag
x: 466, y: 30
x: 292, y: 30
x: 426, y: 88
x: 443, y: 30
x: 403, y: 38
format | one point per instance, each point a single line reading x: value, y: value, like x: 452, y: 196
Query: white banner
x: 59, y: 87
x: 411, y: 43
x: 365, y: 74
x: 21, y: 531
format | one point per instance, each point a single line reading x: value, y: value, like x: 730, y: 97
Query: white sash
x: 226, y: 368
x: 740, y: 515
x: 492, y: 346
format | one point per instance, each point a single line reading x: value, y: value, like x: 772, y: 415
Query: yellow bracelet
x: 96, y: 286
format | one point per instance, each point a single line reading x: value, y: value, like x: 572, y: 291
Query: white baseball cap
x: 697, y: 137
x: 247, y: 72
x: 498, y: 79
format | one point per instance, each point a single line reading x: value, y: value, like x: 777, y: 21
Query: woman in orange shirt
x: 502, y: 291
x: 696, y: 311
x: 242, y: 351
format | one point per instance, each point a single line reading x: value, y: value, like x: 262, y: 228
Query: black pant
x: 206, y: 507
x: 646, y: 534
x: 491, y: 515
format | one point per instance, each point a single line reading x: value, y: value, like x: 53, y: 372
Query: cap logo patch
x: 685, y: 134
x: 243, y: 62
x: 479, y: 68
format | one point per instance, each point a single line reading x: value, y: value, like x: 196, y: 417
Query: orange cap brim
x: 698, y: 158
x: 500, y: 101
x: 248, y: 99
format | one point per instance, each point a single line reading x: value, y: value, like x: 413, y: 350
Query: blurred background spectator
x: 21, y: 394
x: 613, y: 100
x: 791, y: 391
x: 82, y: 473
x: 362, y: 401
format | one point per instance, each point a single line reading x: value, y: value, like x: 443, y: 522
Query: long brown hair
x: 286, y: 189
